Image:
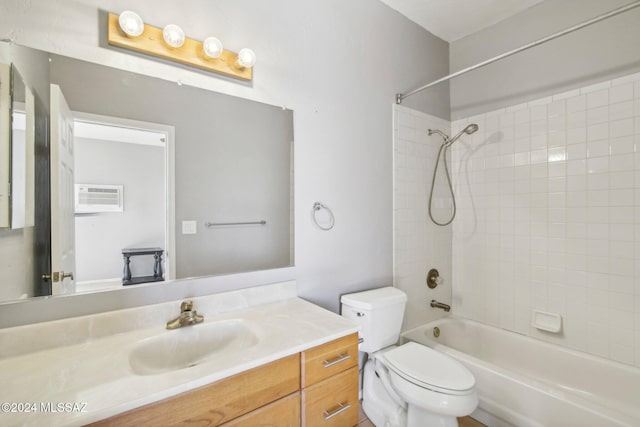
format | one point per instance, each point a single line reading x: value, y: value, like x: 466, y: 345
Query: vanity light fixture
x: 131, y: 23
x: 212, y: 47
x: 246, y: 58
x: 173, y: 36
x: 128, y: 31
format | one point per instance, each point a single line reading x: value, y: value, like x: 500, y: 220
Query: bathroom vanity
x: 260, y: 354
x: 316, y: 386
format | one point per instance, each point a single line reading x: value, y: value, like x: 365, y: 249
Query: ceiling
x: 454, y: 19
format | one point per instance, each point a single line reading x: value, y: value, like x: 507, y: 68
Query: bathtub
x: 525, y: 382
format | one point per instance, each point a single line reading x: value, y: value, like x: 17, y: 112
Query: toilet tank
x: 379, y: 313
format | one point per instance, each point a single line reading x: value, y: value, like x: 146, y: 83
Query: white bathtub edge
x: 534, y: 392
x: 493, y: 414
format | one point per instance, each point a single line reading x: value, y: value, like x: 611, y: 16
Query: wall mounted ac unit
x: 96, y: 198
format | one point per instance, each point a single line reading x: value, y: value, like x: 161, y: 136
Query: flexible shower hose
x: 445, y: 147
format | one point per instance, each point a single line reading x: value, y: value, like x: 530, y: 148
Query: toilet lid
x: 430, y: 369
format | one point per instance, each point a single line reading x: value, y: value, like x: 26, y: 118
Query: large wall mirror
x: 141, y: 180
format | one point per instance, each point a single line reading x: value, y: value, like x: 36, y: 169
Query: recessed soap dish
x: 550, y: 322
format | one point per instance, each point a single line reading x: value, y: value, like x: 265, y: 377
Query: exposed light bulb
x: 246, y: 58
x: 212, y: 47
x: 131, y: 23
x: 173, y: 35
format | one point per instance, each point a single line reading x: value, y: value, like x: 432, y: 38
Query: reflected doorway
x: 123, y: 199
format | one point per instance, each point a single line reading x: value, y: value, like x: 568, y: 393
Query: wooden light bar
x: 152, y: 43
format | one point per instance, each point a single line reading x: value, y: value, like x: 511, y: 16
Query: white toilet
x: 410, y: 385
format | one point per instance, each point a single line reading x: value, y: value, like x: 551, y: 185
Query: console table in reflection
x: 157, y: 266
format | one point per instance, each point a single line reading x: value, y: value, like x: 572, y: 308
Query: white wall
x: 140, y: 170
x: 550, y: 219
x: 337, y: 64
x: 419, y: 245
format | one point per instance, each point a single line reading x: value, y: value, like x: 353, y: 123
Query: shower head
x: 471, y: 128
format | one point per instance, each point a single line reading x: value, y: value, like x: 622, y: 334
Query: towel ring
x: 316, y: 207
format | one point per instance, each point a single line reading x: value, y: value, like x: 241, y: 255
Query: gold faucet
x: 187, y: 317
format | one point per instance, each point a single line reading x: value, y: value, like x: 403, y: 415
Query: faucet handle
x: 186, y: 306
x: 434, y: 279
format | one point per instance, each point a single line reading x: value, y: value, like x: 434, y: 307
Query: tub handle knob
x: 433, y: 278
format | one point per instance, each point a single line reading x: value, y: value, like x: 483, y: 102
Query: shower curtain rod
x: 400, y: 97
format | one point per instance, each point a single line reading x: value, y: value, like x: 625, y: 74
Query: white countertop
x: 94, y: 375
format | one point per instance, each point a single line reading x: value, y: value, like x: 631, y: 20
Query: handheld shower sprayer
x: 469, y: 129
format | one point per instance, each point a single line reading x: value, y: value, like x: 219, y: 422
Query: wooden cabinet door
x: 329, y: 359
x: 222, y: 401
x: 281, y: 413
x: 332, y: 402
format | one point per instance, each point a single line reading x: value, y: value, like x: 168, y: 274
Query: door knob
x: 57, y: 276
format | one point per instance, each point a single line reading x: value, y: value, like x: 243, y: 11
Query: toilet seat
x: 430, y: 369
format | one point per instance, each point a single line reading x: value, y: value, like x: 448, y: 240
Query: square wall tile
x: 555, y: 210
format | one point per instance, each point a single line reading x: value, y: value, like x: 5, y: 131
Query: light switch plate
x: 188, y: 227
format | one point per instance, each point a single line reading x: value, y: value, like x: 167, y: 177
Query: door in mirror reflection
x: 109, y: 187
x: 63, y: 262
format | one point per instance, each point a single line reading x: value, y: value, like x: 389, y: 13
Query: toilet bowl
x: 410, y: 385
x: 436, y: 387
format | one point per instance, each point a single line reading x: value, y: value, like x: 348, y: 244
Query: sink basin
x: 190, y: 346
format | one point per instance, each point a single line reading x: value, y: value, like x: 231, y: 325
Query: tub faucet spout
x: 436, y: 304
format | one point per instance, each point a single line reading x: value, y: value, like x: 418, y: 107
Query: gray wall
x: 598, y: 52
x: 239, y: 171
x: 101, y: 237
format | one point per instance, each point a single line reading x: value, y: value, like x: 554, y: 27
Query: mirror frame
x: 22, y: 216
x: 5, y: 145
x: 9, y: 77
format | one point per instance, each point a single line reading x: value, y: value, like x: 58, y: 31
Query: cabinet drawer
x: 328, y: 359
x: 281, y: 413
x: 221, y: 401
x: 332, y: 402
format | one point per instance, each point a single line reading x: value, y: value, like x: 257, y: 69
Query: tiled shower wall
x: 549, y: 218
x: 419, y: 245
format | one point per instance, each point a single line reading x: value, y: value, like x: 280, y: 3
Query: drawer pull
x: 340, y: 409
x: 340, y: 358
